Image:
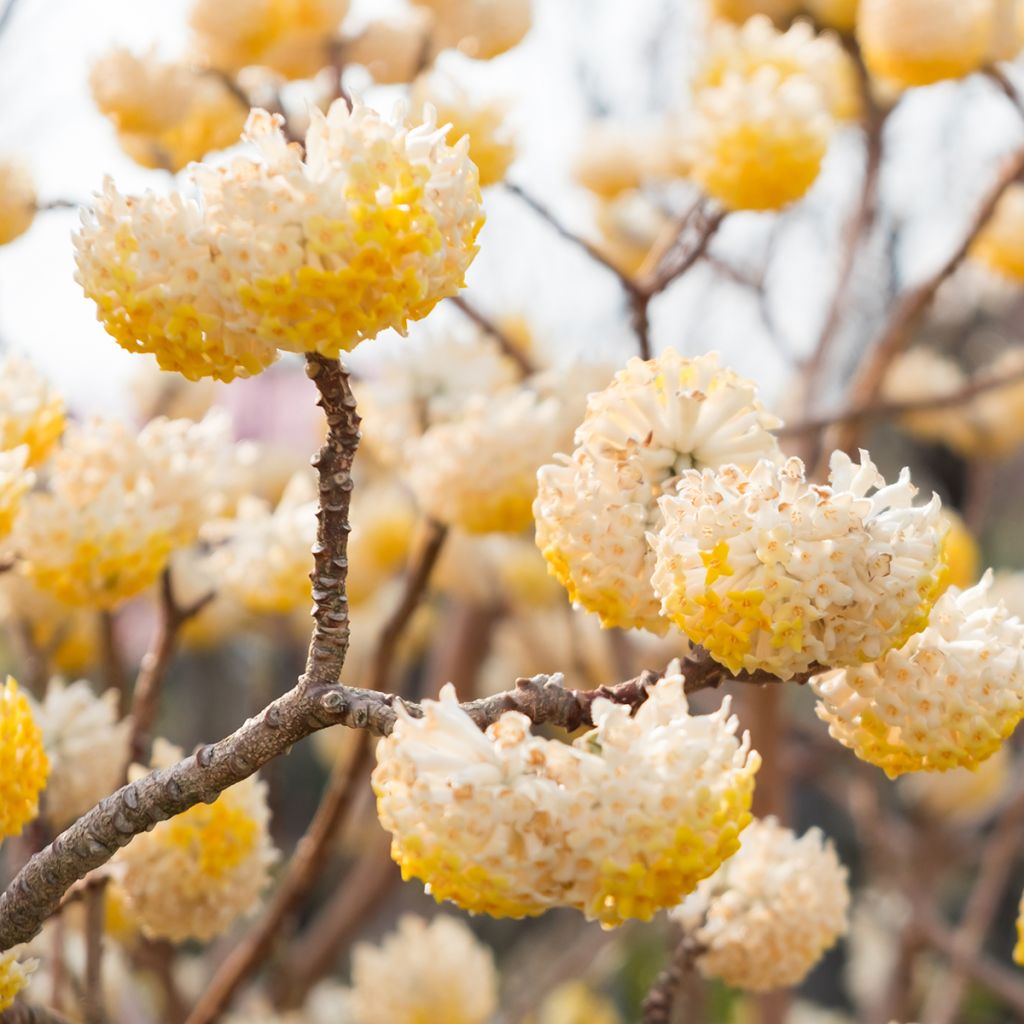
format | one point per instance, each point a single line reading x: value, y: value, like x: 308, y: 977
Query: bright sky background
x: 629, y: 57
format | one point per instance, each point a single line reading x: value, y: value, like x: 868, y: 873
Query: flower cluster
x: 17, y: 200
x: 23, y: 764
x: 999, y: 245
x: 194, y: 874
x: 423, y: 971
x: 594, y: 508
x: 15, y: 480
x: 86, y: 746
x: 768, y: 571
x: 621, y: 823
x: 14, y: 975
x: 947, y: 698
x: 31, y: 412
x: 479, y: 28
x: 765, y: 918
x: 370, y: 230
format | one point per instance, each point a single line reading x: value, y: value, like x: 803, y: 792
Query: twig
x: 1006, y: 85
x: 92, y: 840
x: 660, y: 1005
x: 24, y: 1013
x: 32, y: 658
x: 486, y: 324
x: 155, y: 662
x: 93, y: 1001
x: 897, y: 333
x: 113, y: 662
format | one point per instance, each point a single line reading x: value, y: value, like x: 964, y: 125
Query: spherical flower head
x: 479, y: 472
x: 770, y: 912
x: 961, y: 556
x: 946, y: 699
x: 999, y: 245
x: 485, y: 122
x: 392, y: 48
x: 769, y: 572
x: 262, y: 556
x: 292, y: 37
x: 745, y: 49
x: 917, y: 42
x: 31, y: 412
x: 86, y: 746
x: 23, y: 764
x: 193, y: 875
x: 424, y: 971
x: 741, y: 10
x: 14, y: 975
x: 15, y: 480
x: 594, y: 508
x: 758, y: 143
x: 619, y: 825
x: 371, y: 230
x: 17, y: 200
x: 479, y: 28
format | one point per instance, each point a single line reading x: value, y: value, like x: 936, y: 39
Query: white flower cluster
x: 621, y: 823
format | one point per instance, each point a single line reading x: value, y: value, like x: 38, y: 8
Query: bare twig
x: 669, y: 987
x: 93, y: 1000
x: 486, y: 324
x: 155, y: 662
x: 113, y: 661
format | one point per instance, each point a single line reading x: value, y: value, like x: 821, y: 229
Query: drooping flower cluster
x: 621, y: 823
x: 371, y: 230
x: 193, y: 875
x: 947, y: 698
x: 17, y: 200
x: 769, y: 572
x: 23, y: 764
x: 261, y: 555
x: 434, y: 971
x: 594, y: 509
x: 118, y: 502
x: 166, y: 114
x: 86, y: 746
x: 31, y: 412
x: 770, y: 912
x: 14, y: 975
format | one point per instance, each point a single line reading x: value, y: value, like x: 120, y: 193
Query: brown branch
x: 24, y: 1013
x: 882, y: 410
x: 668, y: 990
x: 113, y: 661
x: 898, y: 332
x: 1009, y: 90
x: 155, y: 662
x: 679, y: 258
x: 488, y: 326
x: 93, y: 1002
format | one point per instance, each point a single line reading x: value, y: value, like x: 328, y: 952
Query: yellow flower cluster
x: 392, y: 49
x: 617, y: 824
x: 194, y: 874
x: 17, y: 200
x: 166, y: 114
x: 479, y: 28
x: 371, y: 230
x: 31, y: 412
x: 23, y: 764
x: 14, y: 975
x: 1000, y: 244
x: 293, y: 37
x: 741, y: 10
x: 15, y: 480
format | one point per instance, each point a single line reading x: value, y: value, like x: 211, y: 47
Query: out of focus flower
x: 757, y: 143
x: 962, y: 795
x: 654, y: 421
x: 262, y: 557
x: 947, y: 698
x: 405, y: 387
x: 961, y: 556
x: 155, y: 393
x: 383, y: 519
x: 798, y: 52
x: 371, y: 230
x: 741, y: 10
x: 424, y: 971
x: 917, y: 42
x: 479, y: 28
x: 193, y: 875
x: 291, y: 36
x: 86, y: 746
x: 768, y: 571
x: 17, y: 200
x: 838, y: 14
x: 616, y: 825
x: 1000, y: 244
x: 575, y: 1003
x: 630, y: 225
x: 1008, y: 589
x: 393, y: 49
x: 997, y: 414
x: 616, y: 157
x: 23, y: 764
x: 14, y: 975
x: 31, y: 412
x: 491, y: 144
x: 118, y: 503
x: 15, y: 480
x: 770, y: 912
